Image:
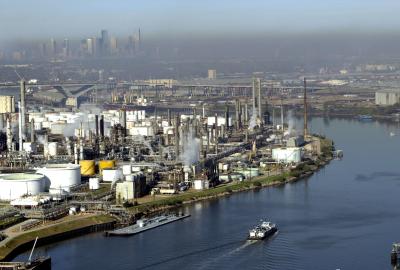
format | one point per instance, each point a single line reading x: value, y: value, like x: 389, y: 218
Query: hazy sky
x: 26, y: 19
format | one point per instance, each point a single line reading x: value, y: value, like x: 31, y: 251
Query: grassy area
x: 52, y: 230
x: 195, y: 195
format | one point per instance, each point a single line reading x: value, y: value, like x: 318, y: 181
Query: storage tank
x: 106, y: 164
x: 88, y: 167
x: 61, y: 176
x: 94, y: 183
x: 52, y: 149
x: 111, y: 175
x: 16, y: 185
x: 198, y: 184
x: 287, y: 155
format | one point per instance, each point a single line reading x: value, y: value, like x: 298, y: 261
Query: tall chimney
x: 176, y: 134
x: 305, y: 108
x: 22, y: 106
x: 216, y: 126
x: 20, y: 127
x: 96, y: 119
x: 32, y: 131
x: 246, y: 113
x: 227, y: 117
x: 254, y: 95
x: 102, y: 127
x: 259, y: 99
x: 237, y: 109
x: 169, y: 118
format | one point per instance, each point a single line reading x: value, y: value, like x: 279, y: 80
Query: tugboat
x: 262, y: 231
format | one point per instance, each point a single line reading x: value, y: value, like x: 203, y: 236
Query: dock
x: 143, y: 225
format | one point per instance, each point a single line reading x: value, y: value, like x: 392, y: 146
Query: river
x: 343, y: 217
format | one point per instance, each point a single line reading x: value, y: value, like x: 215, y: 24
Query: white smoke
x: 291, y: 126
x: 190, y: 148
x: 253, y: 119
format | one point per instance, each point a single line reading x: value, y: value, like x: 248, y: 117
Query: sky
x: 36, y: 19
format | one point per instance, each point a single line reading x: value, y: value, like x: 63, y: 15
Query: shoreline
x: 98, y: 223
x: 54, y: 233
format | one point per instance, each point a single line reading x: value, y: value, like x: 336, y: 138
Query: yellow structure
x: 106, y: 164
x: 88, y: 167
x: 7, y: 104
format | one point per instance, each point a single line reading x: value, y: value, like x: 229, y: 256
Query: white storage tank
x: 61, y: 176
x: 94, y: 183
x: 16, y: 185
x: 287, y: 155
x: 198, y: 184
x: 111, y: 175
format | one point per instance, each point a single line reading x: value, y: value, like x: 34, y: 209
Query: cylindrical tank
x: 61, y: 176
x: 198, y: 184
x: 111, y: 175
x: 16, y: 185
x: 87, y: 167
x: 52, y: 149
x: 94, y: 183
x: 106, y: 164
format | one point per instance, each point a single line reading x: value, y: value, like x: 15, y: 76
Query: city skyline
x: 19, y: 19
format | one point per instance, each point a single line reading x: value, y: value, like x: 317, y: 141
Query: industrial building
x: 387, y: 97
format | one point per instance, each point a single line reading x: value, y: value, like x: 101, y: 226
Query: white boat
x: 262, y: 231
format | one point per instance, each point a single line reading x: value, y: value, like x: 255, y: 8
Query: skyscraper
x: 66, y: 49
x: 114, y: 45
x: 105, y: 43
x: 52, y: 48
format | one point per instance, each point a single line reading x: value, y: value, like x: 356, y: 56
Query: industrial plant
x: 60, y: 164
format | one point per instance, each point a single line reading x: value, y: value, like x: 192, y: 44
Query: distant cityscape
x: 103, y: 45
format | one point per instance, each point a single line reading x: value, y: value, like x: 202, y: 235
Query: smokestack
x: 240, y: 114
x: 246, y: 113
x: 227, y: 117
x: 102, y: 127
x: 237, y: 113
x: 216, y: 126
x: 254, y: 94
x: 169, y: 118
x: 96, y: 119
x: 32, y: 131
x: 305, y: 108
x: 9, y: 134
x: 20, y: 126
x: 176, y: 134
x: 259, y: 99
x: 22, y: 106
x: 282, y: 114
x: 122, y: 114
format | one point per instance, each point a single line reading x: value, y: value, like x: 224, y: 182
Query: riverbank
x: 175, y: 201
x: 14, y: 245
x: 58, y: 231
